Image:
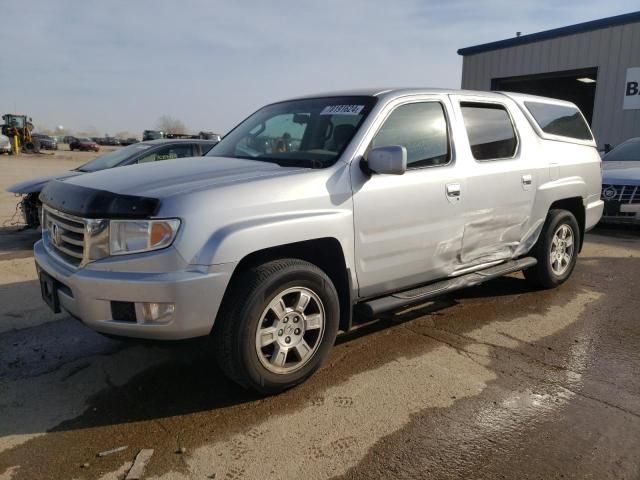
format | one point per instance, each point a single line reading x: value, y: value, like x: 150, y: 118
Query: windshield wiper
x: 293, y: 162
x: 283, y: 162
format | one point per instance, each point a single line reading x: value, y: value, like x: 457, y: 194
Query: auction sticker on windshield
x: 342, y: 110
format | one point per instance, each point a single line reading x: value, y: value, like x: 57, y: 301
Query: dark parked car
x: 45, y: 141
x: 152, y: 135
x: 621, y: 183
x: 84, y: 145
x: 128, y: 141
x: 142, y: 152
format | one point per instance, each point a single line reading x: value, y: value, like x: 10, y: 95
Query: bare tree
x: 124, y: 135
x: 90, y: 131
x: 168, y: 124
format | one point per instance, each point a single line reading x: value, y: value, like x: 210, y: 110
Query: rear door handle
x: 527, y: 180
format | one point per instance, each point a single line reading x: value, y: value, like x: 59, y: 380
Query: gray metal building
x: 593, y: 64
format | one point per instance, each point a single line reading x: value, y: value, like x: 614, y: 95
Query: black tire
x: 236, y: 328
x: 543, y: 274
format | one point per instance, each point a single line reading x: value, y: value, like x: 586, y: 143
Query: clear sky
x: 119, y: 64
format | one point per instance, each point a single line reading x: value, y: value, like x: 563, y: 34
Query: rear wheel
x: 277, y: 325
x: 556, y: 250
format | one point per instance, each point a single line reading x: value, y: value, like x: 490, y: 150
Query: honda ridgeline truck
x: 317, y: 211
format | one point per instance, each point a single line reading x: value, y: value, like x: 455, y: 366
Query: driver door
x: 409, y: 227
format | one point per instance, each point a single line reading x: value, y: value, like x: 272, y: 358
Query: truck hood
x: 165, y: 179
x: 621, y: 173
x: 37, y: 184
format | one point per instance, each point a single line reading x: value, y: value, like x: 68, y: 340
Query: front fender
x: 37, y: 184
x: 30, y: 186
x: 233, y: 242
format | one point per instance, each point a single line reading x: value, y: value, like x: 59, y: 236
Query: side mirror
x: 390, y: 160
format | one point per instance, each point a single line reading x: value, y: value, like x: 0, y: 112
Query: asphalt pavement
x: 497, y: 381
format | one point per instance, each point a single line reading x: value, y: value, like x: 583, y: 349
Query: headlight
x: 133, y: 236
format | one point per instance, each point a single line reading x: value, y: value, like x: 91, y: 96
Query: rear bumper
x: 88, y: 295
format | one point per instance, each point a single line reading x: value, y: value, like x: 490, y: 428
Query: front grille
x: 65, y: 235
x: 621, y: 193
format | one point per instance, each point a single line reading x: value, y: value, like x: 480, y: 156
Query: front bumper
x: 87, y: 294
x: 616, y: 219
x: 619, y: 212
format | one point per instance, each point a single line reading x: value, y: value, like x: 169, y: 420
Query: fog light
x: 157, y: 312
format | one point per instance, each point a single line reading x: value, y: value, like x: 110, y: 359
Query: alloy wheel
x: 290, y: 330
x: 562, y: 249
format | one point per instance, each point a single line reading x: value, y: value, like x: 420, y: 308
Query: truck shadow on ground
x: 619, y: 231
x: 186, y: 392
x: 187, y: 380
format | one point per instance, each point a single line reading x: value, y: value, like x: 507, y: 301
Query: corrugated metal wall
x: 612, y: 50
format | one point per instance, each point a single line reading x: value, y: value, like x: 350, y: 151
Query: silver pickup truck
x: 317, y: 212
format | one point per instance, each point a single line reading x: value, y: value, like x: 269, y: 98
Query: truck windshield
x: 308, y: 133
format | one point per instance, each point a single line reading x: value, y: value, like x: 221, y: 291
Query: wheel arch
x: 326, y: 253
x: 575, y: 205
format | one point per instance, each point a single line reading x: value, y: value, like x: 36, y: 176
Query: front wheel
x: 556, y: 250
x: 277, y: 325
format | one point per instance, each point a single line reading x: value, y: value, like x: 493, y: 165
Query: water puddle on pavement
x: 145, y: 398
x: 335, y: 431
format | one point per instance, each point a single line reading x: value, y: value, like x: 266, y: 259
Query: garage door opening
x: 577, y: 86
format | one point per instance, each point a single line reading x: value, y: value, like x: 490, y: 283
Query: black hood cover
x: 91, y: 203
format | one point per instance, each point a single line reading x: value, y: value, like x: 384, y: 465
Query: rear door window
x: 490, y: 130
x: 561, y: 120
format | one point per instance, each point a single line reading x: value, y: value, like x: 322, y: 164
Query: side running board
x: 400, y: 300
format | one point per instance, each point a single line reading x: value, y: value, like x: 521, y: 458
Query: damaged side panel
x: 493, y: 237
x: 406, y: 230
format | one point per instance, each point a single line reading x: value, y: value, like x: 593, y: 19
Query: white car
x: 5, y: 144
